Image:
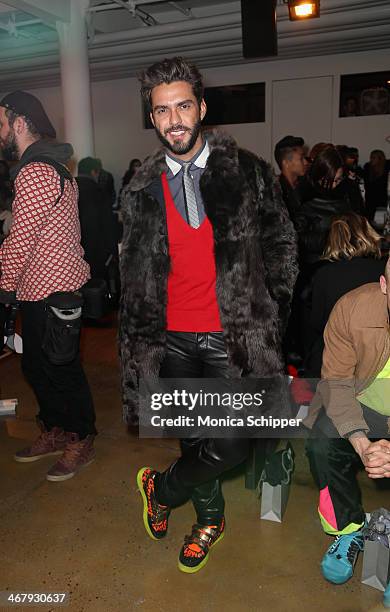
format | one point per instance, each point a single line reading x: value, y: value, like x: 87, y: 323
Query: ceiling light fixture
x: 299, y: 9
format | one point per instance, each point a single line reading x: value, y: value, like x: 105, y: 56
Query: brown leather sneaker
x: 51, y: 442
x: 77, y: 454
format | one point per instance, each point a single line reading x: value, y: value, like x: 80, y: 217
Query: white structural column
x: 75, y: 80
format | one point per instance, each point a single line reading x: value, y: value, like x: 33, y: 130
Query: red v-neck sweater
x: 192, y: 303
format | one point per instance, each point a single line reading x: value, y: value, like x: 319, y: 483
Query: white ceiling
x: 120, y: 44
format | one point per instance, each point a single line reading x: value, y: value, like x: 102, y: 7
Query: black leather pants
x: 195, y: 474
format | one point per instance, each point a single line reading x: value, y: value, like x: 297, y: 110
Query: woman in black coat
x: 328, y: 197
x: 353, y: 257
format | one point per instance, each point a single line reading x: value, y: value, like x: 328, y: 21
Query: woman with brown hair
x: 353, y: 257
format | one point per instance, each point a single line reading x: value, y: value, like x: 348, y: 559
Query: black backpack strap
x: 61, y: 170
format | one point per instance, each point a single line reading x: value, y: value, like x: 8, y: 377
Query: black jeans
x: 195, y: 474
x: 62, y: 391
x: 334, y: 465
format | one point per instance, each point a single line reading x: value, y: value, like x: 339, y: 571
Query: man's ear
x: 151, y: 119
x: 383, y: 284
x: 19, y: 125
x: 203, y: 109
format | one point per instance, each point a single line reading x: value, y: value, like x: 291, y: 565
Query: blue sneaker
x: 386, y: 597
x: 339, y: 560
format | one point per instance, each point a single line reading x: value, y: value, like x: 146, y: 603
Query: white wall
x: 366, y: 133
x: 119, y: 134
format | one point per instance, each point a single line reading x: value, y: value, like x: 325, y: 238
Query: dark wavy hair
x: 169, y: 71
x: 324, y: 167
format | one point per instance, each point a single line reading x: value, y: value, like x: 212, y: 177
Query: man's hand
x: 377, y: 459
x: 375, y: 456
x: 360, y: 443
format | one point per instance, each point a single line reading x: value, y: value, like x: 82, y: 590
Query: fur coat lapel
x: 221, y: 184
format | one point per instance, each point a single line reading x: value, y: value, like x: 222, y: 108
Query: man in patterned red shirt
x: 42, y: 255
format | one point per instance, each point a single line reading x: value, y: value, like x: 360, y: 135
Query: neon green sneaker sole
x: 196, y: 568
x: 145, y: 502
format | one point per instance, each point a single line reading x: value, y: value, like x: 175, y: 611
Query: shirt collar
x: 203, y: 156
x: 172, y: 164
x: 200, y: 160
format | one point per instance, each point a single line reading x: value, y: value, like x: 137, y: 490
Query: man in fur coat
x: 208, y: 268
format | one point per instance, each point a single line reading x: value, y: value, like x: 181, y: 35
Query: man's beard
x: 180, y: 148
x: 9, y: 148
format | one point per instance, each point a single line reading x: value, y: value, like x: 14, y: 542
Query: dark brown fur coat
x: 255, y: 254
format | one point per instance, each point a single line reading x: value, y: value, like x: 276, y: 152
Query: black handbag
x: 61, y: 339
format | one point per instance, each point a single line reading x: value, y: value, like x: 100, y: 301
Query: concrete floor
x: 86, y: 535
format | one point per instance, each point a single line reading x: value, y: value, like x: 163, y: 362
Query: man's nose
x: 175, y: 116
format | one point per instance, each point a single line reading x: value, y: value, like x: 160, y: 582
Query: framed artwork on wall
x: 365, y: 94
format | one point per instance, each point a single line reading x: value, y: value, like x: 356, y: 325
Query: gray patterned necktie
x: 189, y: 192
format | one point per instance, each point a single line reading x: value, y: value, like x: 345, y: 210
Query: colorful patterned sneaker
x: 48, y: 443
x: 386, y: 597
x: 155, y: 516
x: 339, y: 560
x: 195, y: 551
x: 77, y: 454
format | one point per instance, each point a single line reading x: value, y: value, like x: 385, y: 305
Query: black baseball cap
x: 27, y: 105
